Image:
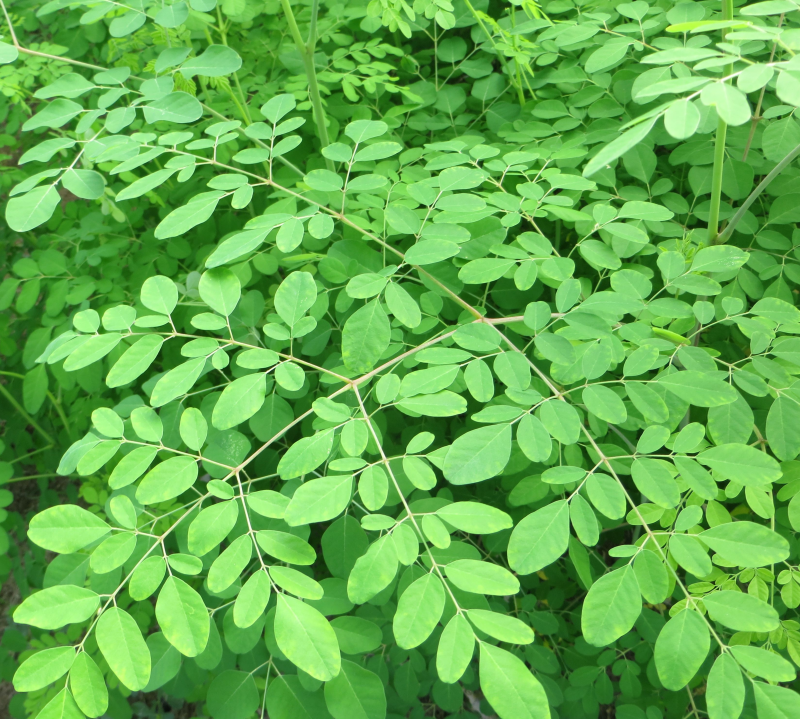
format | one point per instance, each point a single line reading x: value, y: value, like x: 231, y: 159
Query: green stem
x: 716, y: 181
x: 306, y: 50
x: 30, y: 420
x: 757, y: 114
x: 509, y: 73
x: 719, y: 149
x: 241, y: 102
x: 27, y: 477
x: 25, y: 457
x: 60, y: 411
x: 728, y: 231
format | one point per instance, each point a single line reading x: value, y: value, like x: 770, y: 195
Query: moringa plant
x: 406, y: 359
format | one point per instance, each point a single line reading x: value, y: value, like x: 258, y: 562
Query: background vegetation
x: 388, y: 359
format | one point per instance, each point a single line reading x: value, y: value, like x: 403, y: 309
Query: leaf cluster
x: 404, y: 359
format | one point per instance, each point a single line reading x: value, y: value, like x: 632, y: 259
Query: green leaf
x: 165, y: 661
x: 699, y: 389
x: 233, y: 694
x: 136, y: 360
x: 731, y: 104
x: 173, y: 15
x: 653, y: 479
x: 718, y: 259
x: 741, y: 612
x: 286, y: 547
x: 61, y: 706
x: 418, y: 611
x: 561, y: 420
x: 227, y: 567
x: 534, y: 440
x: 725, y: 691
x: 183, y: 108
x: 182, y: 617
x: 211, y: 526
x: 295, y: 296
x: 306, y: 455
x: 477, y: 577
x: 319, y: 500
x: 91, y: 351
x: 43, y: 668
x: 131, y: 467
x: 618, y: 147
x: 475, y: 518
x: 147, y: 578
x: 112, y: 553
x: 215, y: 61
x: 682, y: 119
x: 240, y: 400
x: 651, y: 574
x: 88, y: 686
x: 297, y: 583
x: 201, y: 206
x: 611, y: 607
x: 126, y: 24
x: 584, y: 521
x: 540, y: 538
x: 268, y: 503
x: 604, y: 403
x: 252, y: 600
x: 440, y: 404
x: 780, y: 136
x: 373, y: 571
x: 123, y: 647
x: 66, y: 528
x: 606, y: 495
x: 681, y: 649
x: 307, y: 638
x: 428, y: 252
x: 28, y: 211
x: 356, y: 635
x: 355, y: 693
x: 290, y: 235
x: 402, y: 305
x: 167, y: 480
x: 742, y: 463
x: 510, y: 688
x: 287, y: 699
x: 690, y: 554
x: 220, y: 289
x: 478, y: 455
x: 775, y: 702
x: 177, y: 382
x: 53, y: 114
x: 696, y: 477
x: 763, y: 663
x: 365, y: 337
x: 159, y: 294
x: 193, y: 428
x: 500, y: 626
x: 746, y: 544
x: 647, y: 401
x: 8, y: 53
x: 456, y: 646
x: 86, y: 184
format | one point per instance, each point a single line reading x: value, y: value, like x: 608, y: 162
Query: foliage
x: 432, y: 359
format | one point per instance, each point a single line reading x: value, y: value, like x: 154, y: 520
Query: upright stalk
x: 719, y: 148
x: 306, y: 50
x: 508, y: 72
x: 716, y: 181
x: 785, y: 162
